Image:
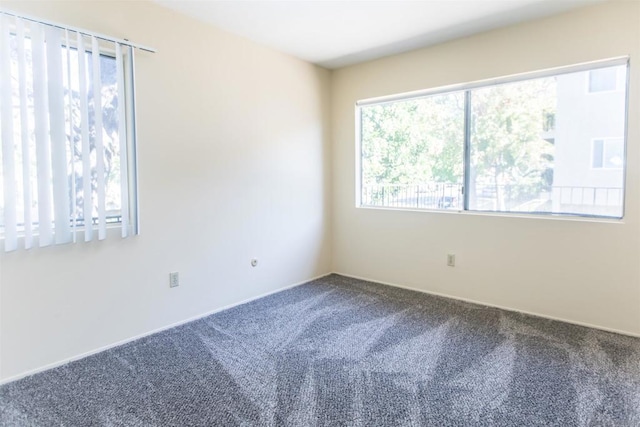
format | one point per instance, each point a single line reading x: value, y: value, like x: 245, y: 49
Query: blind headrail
x: 78, y: 30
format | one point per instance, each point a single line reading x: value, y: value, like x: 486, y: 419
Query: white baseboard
x: 471, y: 301
x: 146, y: 334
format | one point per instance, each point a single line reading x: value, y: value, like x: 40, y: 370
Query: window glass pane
x: 579, y: 187
x: 521, y: 164
x: 512, y: 155
x: 412, y: 153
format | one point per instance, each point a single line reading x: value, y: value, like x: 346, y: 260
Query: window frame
x: 467, y: 87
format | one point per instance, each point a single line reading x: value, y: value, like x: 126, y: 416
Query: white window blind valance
x: 67, y: 123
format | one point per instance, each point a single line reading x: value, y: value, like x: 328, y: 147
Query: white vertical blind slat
x: 8, y: 150
x: 43, y: 151
x: 134, y: 211
x: 87, y: 193
x: 122, y: 137
x: 58, y: 136
x: 24, y: 133
x: 73, y: 200
x: 99, y: 143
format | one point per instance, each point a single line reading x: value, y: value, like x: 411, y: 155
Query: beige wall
x: 581, y: 271
x: 233, y: 164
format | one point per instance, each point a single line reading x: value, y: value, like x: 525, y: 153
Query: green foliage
x: 415, y: 141
x: 507, y: 149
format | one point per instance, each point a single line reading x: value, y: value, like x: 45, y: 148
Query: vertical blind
x: 68, y: 134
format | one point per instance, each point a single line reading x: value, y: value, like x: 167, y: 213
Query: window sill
x: 529, y: 216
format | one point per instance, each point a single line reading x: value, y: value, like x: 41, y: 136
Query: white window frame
x: 586, y: 66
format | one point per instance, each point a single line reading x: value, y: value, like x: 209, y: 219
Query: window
x: 607, y: 153
x: 515, y: 145
x: 603, y: 80
x: 68, y: 136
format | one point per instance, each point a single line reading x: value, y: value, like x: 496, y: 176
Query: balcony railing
x: 605, y: 201
x: 435, y: 195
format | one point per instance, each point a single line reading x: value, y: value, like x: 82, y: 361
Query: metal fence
x: 606, y: 201
x: 421, y: 196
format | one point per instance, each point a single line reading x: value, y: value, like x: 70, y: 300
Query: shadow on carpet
x: 344, y: 352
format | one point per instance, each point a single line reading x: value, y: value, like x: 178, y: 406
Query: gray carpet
x: 340, y: 351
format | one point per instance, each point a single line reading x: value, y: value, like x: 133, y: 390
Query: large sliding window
x: 550, y: 142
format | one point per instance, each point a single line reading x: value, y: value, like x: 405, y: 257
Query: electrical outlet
x: 174, y: 280
x: 451, y: 260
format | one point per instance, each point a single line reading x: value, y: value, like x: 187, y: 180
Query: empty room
x: 320, y: 213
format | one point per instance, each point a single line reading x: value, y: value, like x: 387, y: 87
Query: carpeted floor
x: 340, y: 351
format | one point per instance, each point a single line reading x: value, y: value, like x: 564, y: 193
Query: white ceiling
x: 336, y: 33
